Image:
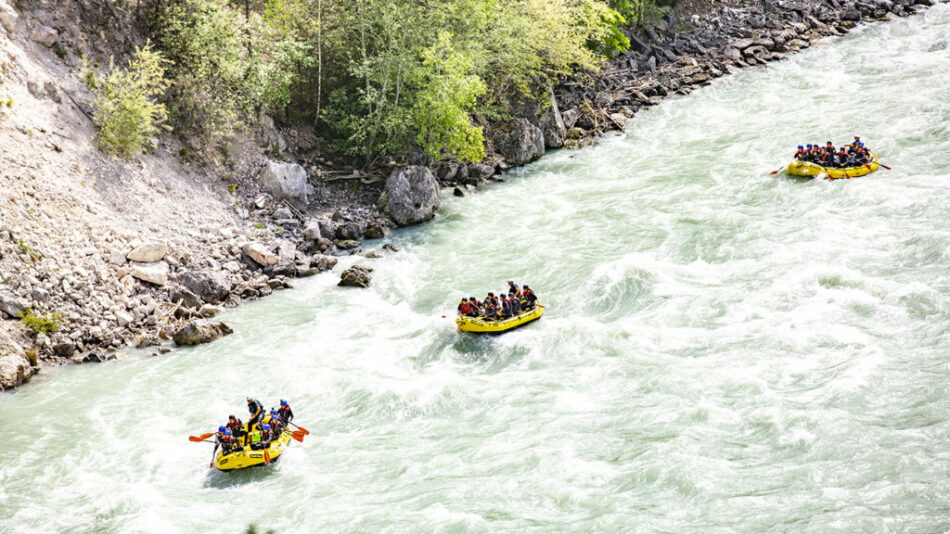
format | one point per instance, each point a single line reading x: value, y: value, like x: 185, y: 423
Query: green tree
x: 125, y: 110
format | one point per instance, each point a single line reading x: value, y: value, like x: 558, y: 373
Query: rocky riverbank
x: 144, y: 254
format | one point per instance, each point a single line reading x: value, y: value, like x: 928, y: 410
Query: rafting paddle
x: 302, y: 429
x: 201, y: 437
x: 297, y: 436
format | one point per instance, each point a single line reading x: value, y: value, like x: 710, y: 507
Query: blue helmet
x: 273, y: 412
x: 283, y: 402
x: 809, y: 145
x: 800, y: 147
x: 221, y: 428
x: 266, y: 426
x: 228, y: 431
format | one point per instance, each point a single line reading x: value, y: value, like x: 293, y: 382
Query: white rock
x: 285, y: 181
x: 116, y: 257
x: 312, y: 232
x: 149, y: 252
x: 8, y: 17
x: 154, y: 273
x: 260, y: 254
x: 44, y: 35
x: 123, y: 317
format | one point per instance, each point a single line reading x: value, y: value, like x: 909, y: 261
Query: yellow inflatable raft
x: 808, y: 169
x: 249, y: 457
x: 481, y: 325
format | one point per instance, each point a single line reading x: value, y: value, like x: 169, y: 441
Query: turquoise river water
x: 722, y: 351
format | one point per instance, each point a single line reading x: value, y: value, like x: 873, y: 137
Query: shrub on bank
x: 125, y: 109
x: 41, y: 324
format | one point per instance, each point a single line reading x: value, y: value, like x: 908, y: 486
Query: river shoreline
x: 130, y: 290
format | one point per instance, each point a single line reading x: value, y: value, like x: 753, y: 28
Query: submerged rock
x: 356, y: 276
x: 411, y: 195
x: 201, y: 331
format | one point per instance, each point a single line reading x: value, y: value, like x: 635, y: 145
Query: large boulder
x: 201, y: 331
x: 356, y: 276
x: 552, y: 126
x: 411, y: 195
x: 15, y: 368
x: 153, y: 273
x: 522, y: 144
x: 285, y: 181
x: 44, y: 35
x: 11, y: 306
x: 260, y: 254
x: 211, y: 289
x: 149, y: 252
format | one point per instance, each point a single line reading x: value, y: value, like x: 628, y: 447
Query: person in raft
x: 503, y: 306
x: 828, y: 156
x: 225, y: 440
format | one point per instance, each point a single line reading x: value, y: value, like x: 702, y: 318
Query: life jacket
x: 801, y: 154
x: 236, y: 425
x: 465, y: 308
x: 284, y: 413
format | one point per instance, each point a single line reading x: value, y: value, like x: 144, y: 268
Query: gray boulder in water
x: 356, y: 276
x: 201, y: 331
x: 411, y: 195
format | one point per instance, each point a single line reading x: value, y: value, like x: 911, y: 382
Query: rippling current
x: 722, y: 351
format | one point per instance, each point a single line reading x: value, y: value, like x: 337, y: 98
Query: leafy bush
x: 125, y: 109
x: 41, y: 324
x: 225, y: 66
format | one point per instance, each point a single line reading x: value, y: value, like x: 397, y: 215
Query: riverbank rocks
x: 44, y: 35
x: 148, y: 252
x: 209, y: 288
x: 153, y: 273
x: 411, y: 195
x: 260, y: 254
x: 10, y: 306
x: 201, y: 331
x: 522, y: 144
x: 285, y: 181
x: 15, y: 368
x: 552, y: 126
x: 356, y: 276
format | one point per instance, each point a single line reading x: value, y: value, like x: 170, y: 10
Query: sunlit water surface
x: 722, y: 351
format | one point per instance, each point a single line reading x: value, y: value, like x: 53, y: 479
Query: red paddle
x: 201, y: 437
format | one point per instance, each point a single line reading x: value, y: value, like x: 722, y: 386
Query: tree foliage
x: 377, y: 76
x: 125, y: 109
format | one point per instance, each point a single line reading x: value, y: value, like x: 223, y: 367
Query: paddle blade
x: 773, y: 173
x: 302, y: 429
x: 266, y: 457
x: 297, y: 436
x: 201, y: 437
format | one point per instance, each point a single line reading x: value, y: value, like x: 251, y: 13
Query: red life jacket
x: 466, y: 308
